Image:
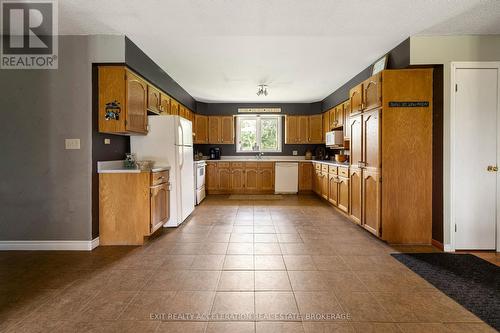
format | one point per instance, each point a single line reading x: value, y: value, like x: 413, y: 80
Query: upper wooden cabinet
x: 221, y: 130
x: 331, y: 115
x: 326, y: 125
x: 200, y: 129
x: 122, y: 101
x: 372, y: 92
x: 291, y: 129
x: 347, y: 132
x: 303, y: 129
x: 339, y: 116
x: 315, y: 129
x: 356, y: 99
x: 174, y: 107
x: 164, y: 103
x: 154, y: 100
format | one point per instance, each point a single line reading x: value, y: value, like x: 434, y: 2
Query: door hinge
x: 456, y: 87
x: 455, y: 228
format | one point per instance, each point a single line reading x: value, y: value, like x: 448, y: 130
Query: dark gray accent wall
x: 232, y: 109
x: 140, y: 62
x: 399, y: 57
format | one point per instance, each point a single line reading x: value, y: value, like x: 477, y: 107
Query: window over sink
x: 258, y: 133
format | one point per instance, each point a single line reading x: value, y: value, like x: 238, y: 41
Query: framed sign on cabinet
x: 380, y: 64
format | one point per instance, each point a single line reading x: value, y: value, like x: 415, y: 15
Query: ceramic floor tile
x: 236, y: 281
x: 269, y: 262
x: 272, y: 280
x: 299, y: 262
x: 239, y: 262
x: 233, y: 306
x: 279, y: 327
x: 276, y: 306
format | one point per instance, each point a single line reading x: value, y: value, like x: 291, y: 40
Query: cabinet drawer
x: 324, y: 167
x: 317, y: 166
x: 251, y: 165
x: 237, y: 165
x: 159, y: 177
x: 332, y: 169
x: 344, y: 172
x: 266, y: 165
x: 223, y: 164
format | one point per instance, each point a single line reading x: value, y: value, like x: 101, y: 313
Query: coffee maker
x: 214, y: 153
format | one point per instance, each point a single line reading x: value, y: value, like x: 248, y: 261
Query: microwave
x: 334, y: 139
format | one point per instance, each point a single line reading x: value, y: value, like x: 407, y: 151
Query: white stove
x: 199, y: 180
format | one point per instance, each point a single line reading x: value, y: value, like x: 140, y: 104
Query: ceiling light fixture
x: 262, y: 90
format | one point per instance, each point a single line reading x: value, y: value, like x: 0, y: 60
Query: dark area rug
x: 470, y: 281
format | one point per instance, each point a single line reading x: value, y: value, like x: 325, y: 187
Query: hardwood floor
x: 291, y: 265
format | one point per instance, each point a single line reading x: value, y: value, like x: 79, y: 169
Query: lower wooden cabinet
x: 333, y: 193
x: 132, y: 206
x: 240, y: 177
x: 305, y: 176
x: 371, y: 202
x: 338, y: 189
x: 355, y: 194
x: 343, y: 194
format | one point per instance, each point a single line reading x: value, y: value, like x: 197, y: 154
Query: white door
x: 475, y: 138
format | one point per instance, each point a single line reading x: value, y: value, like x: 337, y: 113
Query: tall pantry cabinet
x: 390, y: 174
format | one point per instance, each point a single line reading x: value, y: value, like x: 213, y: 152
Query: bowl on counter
x: 145, y: 165
x: 341, y: 158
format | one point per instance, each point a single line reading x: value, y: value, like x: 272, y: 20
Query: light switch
x: 295, y: 153
x: 72, y: 143
x: 107, y: 141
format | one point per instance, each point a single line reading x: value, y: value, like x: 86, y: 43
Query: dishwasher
x: 286, y: 179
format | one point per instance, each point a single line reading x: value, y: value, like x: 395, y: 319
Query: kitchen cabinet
x: 200, y: 129
x: 164, y: 103
x: 154, y: 100
x: 221, y: 129
x: 174, y: 107
x: 240, y: 177
x: 305, y: 176
x: 331, y: 116
x: 326, y: 125
x: 315, y: 129
x: 303, y: 129
x: 356, y: 99
x: 372, y: 92
x: 355, y: 194
x: 347, y: 132
x: 343, y: 194
x: 132, y: 206
x: 356, y: 142
x: 371, y: 140
x: 339, y: 116
x: 333, y: 194
x: 371, y: 202
x: 291, y: 129
x: 122, y: 101
x: 212, y: 177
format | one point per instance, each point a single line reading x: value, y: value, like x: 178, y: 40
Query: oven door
x: 200, y: 175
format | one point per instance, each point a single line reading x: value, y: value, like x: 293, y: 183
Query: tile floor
x: 292, y: 265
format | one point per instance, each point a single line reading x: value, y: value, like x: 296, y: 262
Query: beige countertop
x: 298, y: 159
x: 117, y: 167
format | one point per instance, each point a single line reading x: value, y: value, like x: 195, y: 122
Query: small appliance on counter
x: 320, y: 153
x: 334, y: 139
x: 214, y: 153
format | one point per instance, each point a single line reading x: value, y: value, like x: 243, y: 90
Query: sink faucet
x: 259, y: 155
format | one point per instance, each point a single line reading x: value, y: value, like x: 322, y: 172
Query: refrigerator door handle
x: 181, y: 134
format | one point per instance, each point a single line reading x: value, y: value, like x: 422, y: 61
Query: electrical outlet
x: 295, y: 153
x: 72, y: 143
x: 107, y: 141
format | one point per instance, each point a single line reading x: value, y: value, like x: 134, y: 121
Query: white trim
x: 454, y: 65
x: 49, y: 245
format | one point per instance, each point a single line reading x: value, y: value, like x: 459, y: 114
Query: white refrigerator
x: 170, y: 142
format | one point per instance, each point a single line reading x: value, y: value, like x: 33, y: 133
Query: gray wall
x: 45, y: 190
x: 232, y: 109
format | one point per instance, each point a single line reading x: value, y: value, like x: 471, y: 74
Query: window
x: 258, y: 133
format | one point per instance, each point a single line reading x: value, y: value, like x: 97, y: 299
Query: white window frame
x: 258, y: 117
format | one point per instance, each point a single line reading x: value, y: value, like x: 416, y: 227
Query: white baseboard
x: 448, y: 248
x: 49, y: 245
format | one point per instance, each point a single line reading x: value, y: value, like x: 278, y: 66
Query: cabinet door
x: 356, y: 99
x: 137, y: 120
x: 200, y: 128
x: 265, y: 179
x: 324, y: 185
x: 333, y: 189
x: 326, y: 125
x: 214, y: 130
x: 160, y: 201
x: 237, y: 180
x: 303, y: 129
x: 174, y: 107
x: 343, y: 194
x: 332, y: 115
x: 251, y: 178
x: 305, y: 176
x: 355, y: 194
x: 339, y: 115
x: 371, y: 139
x: 154, y: 100
x: 371, y: 202
x: 227, y: 130
x: 164, y: 104
x: 315, y: 128
x: 212, y: 181
x: 291, y: 127
x: 317, y: 182
x: 347, y: 130
x: 224, y: 179
x: 372, y: 92
x: 356, y: 144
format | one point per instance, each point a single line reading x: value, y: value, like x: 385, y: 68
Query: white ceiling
x: 220, y: 50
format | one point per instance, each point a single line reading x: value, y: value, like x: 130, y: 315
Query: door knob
x: 492, y: 168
